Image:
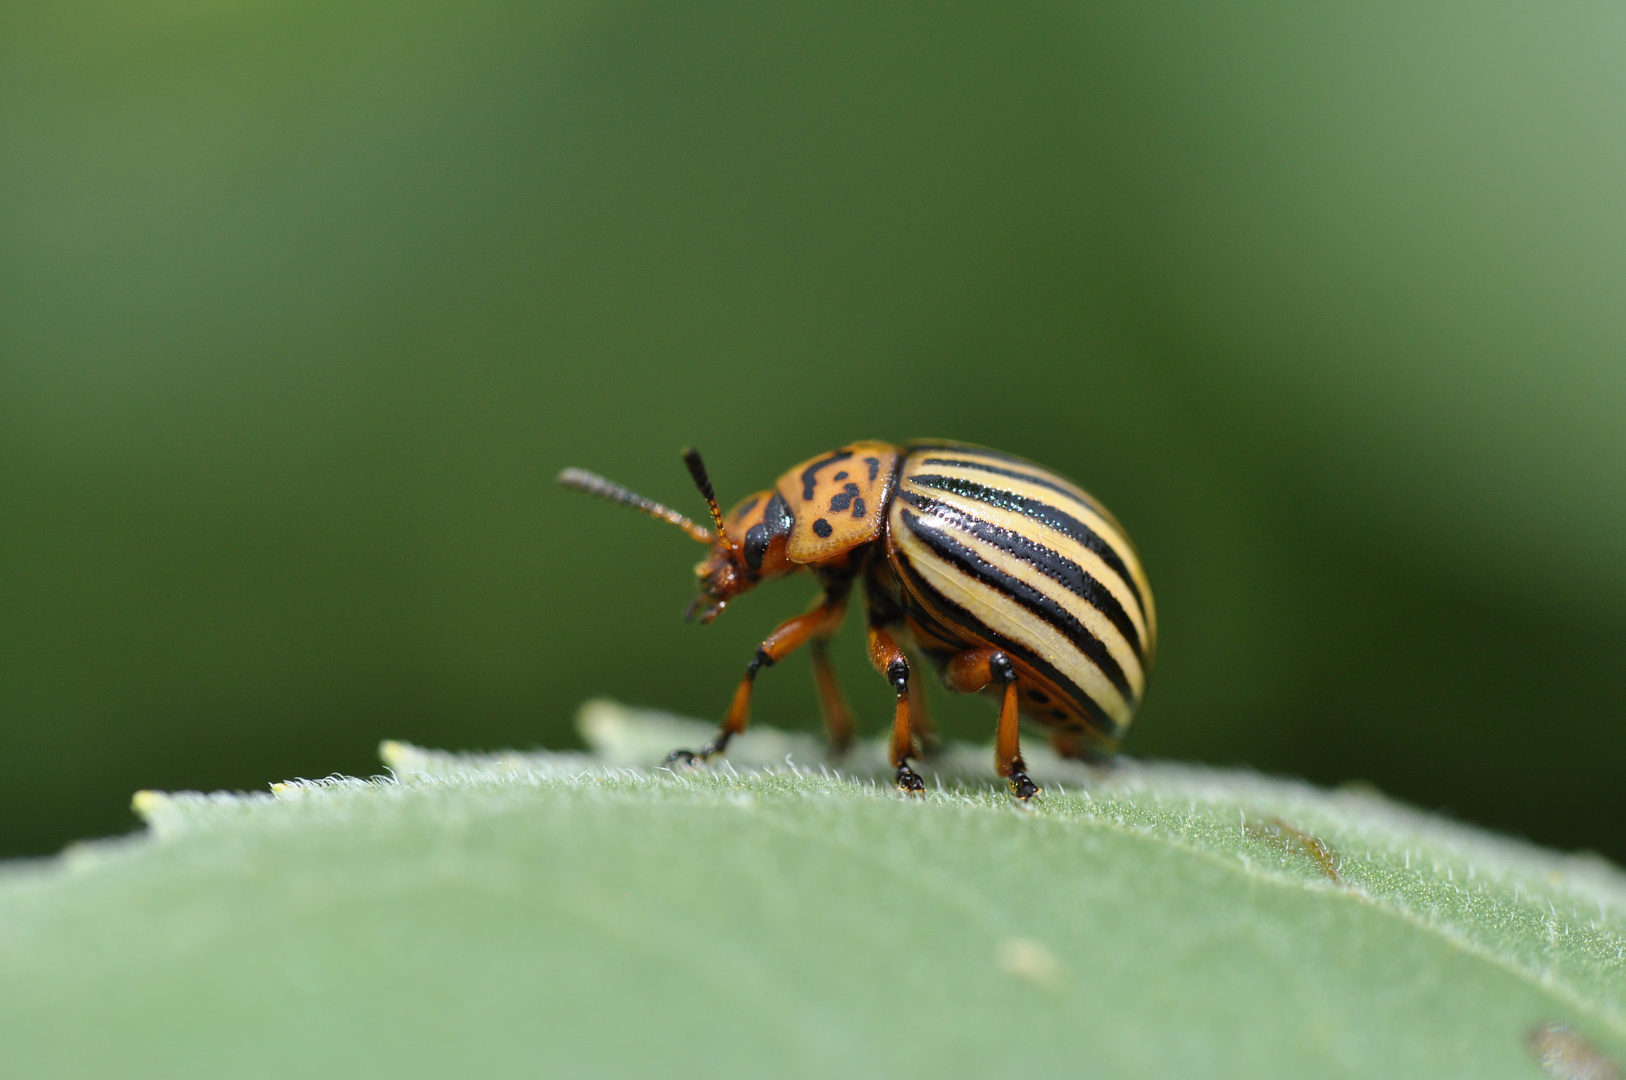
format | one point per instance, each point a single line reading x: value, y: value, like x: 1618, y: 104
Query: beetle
x: 1007, y: 577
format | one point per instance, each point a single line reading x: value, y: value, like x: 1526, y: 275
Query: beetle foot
x: 696, y: 758
x: 909, y: 781
x: 1022, y: 787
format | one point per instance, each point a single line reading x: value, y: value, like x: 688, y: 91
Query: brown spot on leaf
x: 1566, y: 1055
x: 1280, y: 834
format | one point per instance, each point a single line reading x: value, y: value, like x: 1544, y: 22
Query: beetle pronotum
x: 1007, y: 577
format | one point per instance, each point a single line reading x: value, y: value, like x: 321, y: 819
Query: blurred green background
x: 303, y: 304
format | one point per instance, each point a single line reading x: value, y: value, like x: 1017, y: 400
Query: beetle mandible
x: 1009, y: 578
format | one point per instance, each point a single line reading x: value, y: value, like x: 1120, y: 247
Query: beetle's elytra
x: 1007, y: 577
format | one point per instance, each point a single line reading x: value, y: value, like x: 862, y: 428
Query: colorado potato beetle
x: 1009, y: 578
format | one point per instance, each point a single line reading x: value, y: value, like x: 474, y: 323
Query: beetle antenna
x: 594, y: 484
x: 697, y: 469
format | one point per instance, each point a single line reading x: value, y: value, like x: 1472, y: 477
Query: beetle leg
x: 920, y: 719
x: 974, y: 670
x: 1067, y: 744
x: 1008, y: 748
x: 787, y: 637
x: 1080, y: 746
x: 889, y: 660
x: 838, y: 718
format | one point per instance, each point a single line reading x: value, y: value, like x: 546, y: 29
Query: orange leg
x: 890, y: 661
x: 977, y: 669
x: 1081, y: 747
x: 787, y: 637
x: 920, y: 718
x: 1067, y: 744
x: 838, y: 718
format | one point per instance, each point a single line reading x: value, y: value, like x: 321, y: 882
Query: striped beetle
x: 1009, y: 578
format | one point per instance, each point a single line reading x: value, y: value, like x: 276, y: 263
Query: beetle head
x: 750, y: 548
x: 721, y: 580
x: 742, y: 553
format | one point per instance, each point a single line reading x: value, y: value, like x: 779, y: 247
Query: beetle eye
x: 756, y: 545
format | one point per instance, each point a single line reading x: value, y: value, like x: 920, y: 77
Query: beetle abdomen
x: 1024, y: 558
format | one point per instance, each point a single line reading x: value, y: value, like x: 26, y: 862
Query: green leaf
x: 573, y: 914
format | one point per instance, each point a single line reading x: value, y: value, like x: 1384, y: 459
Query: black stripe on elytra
x: 1014, y: 474
x: 1043, y: 512
x: 811, y: 473
x: 970, y: 563
x: 1074, y: 578
x: 939, y: 608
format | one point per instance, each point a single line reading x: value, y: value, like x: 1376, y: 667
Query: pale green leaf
x: 572, y: 914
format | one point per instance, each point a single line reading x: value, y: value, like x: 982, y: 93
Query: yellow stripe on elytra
x: 1094, y: 621
x: 1086, y: 511
x: 1007, y: 465
x: 1004, y: 616
x: 1060, y: 543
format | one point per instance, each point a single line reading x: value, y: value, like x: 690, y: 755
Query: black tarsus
x: 897, y: 673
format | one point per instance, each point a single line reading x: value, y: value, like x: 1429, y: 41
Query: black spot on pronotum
x: 1039, y: 697
x: 810, y: 474
x: 746, y: 507
x: 822, y: 528
x: 843, y: 499
x: 1057, y: 714
x: 776, y: 516
x: 840, y: 476
x: 874, y: 468
x: 858, y: 507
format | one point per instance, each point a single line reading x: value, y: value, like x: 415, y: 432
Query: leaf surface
x: 553, y: 914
